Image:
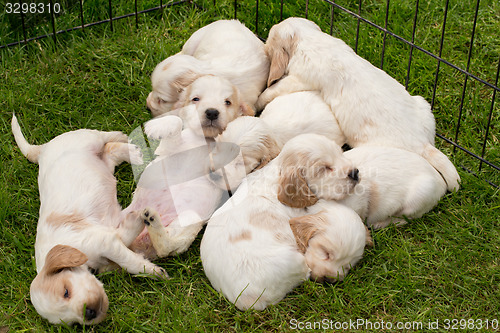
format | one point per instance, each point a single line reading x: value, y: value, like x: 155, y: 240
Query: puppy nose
x: 90, y: 314
x: 212, y: 114
x: 353, y: 174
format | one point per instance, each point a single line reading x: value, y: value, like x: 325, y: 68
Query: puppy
x: 177, y: 184
x: 224, y: 48
x: 371, y: 107
x: 251, y: 231
x: 332, y: 238
x: 81, y: 224
x: 217, y: 102
x: 393, y: 183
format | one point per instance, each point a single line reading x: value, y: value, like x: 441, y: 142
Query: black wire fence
x: 478, y: 156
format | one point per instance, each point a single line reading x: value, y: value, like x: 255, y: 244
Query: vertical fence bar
x: 441, y: 44
x: 81, y: 15
x: 357, y: 27
x: 110, y: 16
x: 281, y: 10
x: 489, y: 117
x: 332, y: 12
x: 53, y: 21
x: 307, y: 9
x: 235, y: 8
x: 23, y: 24
x: 385, y: 34
x: 136, y: 15
x: 464, y: 87
x: 257, y: 17
x: 411, y: 46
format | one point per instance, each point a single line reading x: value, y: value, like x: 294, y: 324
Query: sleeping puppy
x: 217, y: 102
x: 81, y: 224
x: 371, y: 107
x: 393, y: 183
x: 248, y: 250
x: 224, y: 48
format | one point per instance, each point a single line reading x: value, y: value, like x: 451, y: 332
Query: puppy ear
x: 246, y: 110
x: 61, y: 257
x: 369, y: 239
x: 279, y: 49
x: 271, y: 151
x: 184, y: 80
x: 293, y: 190
x: 304, y: 228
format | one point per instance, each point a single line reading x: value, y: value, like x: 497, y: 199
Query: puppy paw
x: 163, y: 127
x: 151, y: 218
x: 135, y: 155
x: 160, y: 273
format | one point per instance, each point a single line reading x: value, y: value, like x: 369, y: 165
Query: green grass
x: 444, y: 265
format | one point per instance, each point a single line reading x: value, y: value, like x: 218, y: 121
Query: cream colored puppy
x: 216, y: 103
x: 81, y: 224
x: 224, y: 48
x: 249, y: 252
x: 393, y: 183
x: 371, y: 107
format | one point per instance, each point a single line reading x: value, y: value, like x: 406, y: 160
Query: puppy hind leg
x: 130, y: 227
x: 115, y: 153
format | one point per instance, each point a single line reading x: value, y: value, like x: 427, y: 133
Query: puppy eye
x: 66, y: 293
x: 328, y: 168
x: 160, y: 101
x: 228, y: 102
x: 195, y: 99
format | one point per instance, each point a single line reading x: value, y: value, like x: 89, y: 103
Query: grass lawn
x: 436, y: 269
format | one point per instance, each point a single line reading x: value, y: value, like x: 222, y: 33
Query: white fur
x: 371, y: 107
x: 393, y: 183
x: 249, y: 252
x: 224, y: 48
x: 81, y: 224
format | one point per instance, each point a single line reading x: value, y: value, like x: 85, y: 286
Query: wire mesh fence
x: 419, y: 46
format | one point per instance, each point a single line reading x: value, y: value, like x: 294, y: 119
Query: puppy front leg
x: 287, y: 85
x: 177, y: 237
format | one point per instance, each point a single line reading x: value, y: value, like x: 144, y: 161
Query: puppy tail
x: 30, y: 151
x: 443, y: 165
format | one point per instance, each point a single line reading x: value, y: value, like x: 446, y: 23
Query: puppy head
x: 257, y: 147
x: 217, y: 103
x: 65, y: 291
x: 313, y: 167
x: 169, y: 79
x: 331, y: 244
x: 281, y: 44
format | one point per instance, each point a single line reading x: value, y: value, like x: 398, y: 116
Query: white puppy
x: 393, y: 183
x: 177, y: 185
x: 223, y: 48
x: 81, y: 224
x: 371, y: 107
x: 249, y: 252
x: 216, y: 103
